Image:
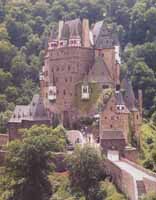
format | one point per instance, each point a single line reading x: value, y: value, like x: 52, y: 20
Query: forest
x: 25, y: 26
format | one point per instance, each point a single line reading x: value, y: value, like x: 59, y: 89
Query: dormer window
x: 85, y: 92
x: 53, y: 44
x: 76, y: 42
x: 52, y: 93
x: 63, y: 43
x: 120, y: 107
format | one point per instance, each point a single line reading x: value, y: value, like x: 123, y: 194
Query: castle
x: 80, y: 81
x: 81, y: 78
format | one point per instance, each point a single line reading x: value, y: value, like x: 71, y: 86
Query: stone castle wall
x: 65, y: 67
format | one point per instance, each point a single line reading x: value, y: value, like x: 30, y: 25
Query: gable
x: 99, y: 72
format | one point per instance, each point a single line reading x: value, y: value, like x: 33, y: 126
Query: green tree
x: 143, y: 78
x: 18, y: 69
x: 4, y: 118
x: 18, y: 32
x: 11, y: 93
x: 85, y: 171
x: 3, y: 103
x: 7, y: 52
x: 28, y: 162
x: 149, y: 196
x: 3, y: 33
x: 5, y: 80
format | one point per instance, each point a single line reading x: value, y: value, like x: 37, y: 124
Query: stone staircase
x: 140, y: 188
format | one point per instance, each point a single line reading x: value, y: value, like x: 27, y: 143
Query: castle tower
x: 106, y: 46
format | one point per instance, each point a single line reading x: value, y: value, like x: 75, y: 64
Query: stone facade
x: 76, y: 55
x: 25, y: 116
x: 80, y: 65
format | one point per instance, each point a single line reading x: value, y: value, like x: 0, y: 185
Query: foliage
x: 149, y: 196
x: 62, y: 189
x: 24, y: 29
x: 148, y: 138
x: 85, y: 171
x: 108, y: 191
x: 28, y: 163
x: 4, y: 118
x: 85, y: 105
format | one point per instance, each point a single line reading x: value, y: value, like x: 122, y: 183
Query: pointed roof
x: 37, y: 108
x: 119, y: 98
x: 54, y: 33
x: 103, y: 36
x: 129, y: 96
x: 96, y: 30
x: 72, y: 29
x: 99, y: 72
x: 35, y: 111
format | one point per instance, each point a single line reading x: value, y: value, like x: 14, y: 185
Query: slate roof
x: 119, y: 98
x: 108, y: 134
x: 35, y: 111
x: 129, y: 96
x: 54, y: 33
x: 96, y: 30
x: 72, y: 29
x: 104, y: 37
x: 99, y: 71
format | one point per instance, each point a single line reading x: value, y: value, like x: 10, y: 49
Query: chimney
x: 85, y: 33
x: 60, y: 29
x: 140, y: 101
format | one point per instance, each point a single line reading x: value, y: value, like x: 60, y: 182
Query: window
x: 64, y: 92
x: 57, y: 69
x: 85, y: 89
x: 122, y: 107
x: 137, y: 116
x: 111, y: 108
x: 105, y: 117
x: 66, y: 80
x: 118, y: 107
x: 68, y: 67
x: 111, y: 126
x: 105, y: 86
